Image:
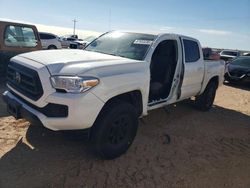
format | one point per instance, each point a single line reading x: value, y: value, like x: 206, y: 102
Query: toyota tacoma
x: 109, y: 85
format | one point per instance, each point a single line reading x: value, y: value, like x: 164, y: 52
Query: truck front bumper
x: 63, y: 112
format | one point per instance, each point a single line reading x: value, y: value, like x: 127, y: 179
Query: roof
x: 47, y: 33
x: 16, y: 23
x: 152, y: 33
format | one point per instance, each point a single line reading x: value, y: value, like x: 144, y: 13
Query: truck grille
x: 24, y: 80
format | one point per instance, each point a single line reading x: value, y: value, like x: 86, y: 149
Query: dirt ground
x: 207, y: 149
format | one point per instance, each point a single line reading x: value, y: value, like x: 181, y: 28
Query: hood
x: 70, y: 61
x: 232, y: 67
x: 238, y: 70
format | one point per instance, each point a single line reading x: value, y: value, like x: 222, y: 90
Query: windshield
x: 129, y: 45
x: 242, y: 61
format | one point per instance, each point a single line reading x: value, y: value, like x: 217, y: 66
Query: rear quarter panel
x: 213, y: 69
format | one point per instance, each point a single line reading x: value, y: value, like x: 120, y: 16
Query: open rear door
x: 193, y: 68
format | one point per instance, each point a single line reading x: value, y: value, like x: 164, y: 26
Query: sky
x: 216, y: 23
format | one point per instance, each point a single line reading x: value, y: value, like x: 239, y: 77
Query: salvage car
x: 67, y: 40
x: 246, y: 54
x: 50, y: 41
x: 16, y: 38
x: 239, y: 70
x: 81, y: 44
x: 105, y: 88
x: 210, y: 54
x: 229, y: 55
x: 77, y: 44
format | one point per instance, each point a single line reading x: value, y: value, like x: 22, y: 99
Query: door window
x: 192, y: 53
x: 19, y: 36
x: 46, y: 36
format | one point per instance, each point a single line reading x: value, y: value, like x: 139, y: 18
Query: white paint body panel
x: 117, y: 75
x: 51, y: 42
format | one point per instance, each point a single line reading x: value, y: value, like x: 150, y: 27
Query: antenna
x: 74, y: 31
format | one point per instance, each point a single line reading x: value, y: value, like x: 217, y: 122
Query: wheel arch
x: 52, y: 45
x: 132, y: 97
x: 212, y: 79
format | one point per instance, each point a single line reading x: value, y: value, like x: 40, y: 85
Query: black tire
x: 52, y: 47
x: 205, y: 101
x: 114, y: 130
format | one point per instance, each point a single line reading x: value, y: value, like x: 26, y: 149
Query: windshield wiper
x: 96, y: 51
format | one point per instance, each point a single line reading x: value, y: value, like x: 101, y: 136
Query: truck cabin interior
x: 162, y: 68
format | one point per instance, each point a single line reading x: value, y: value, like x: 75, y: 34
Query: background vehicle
x: 105, y: 88
x: 80, y: 44
x: 49, y: 41
x: 209, y: 54
x: 246, y: 54
x: 77, y: 44
x: 228, y: 55
x: 67, y: 40
x: 16, y: 38
x: 239, y: 70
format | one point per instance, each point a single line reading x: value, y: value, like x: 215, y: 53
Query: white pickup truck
x: 105, y: 88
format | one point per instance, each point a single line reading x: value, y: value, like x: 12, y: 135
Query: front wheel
x: 205, y: 101
x: 114, y: 130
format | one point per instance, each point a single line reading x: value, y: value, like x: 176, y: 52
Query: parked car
x: 81, y: 44
x: 71, y: 36
x: 105, y: 88
x: 209, y: 54
x: 77, y: 44
x: 246, y: 54
x: 16, y: 38
x: 238, y: 70
x: 67, y: 40
x: 229, y: 55
x: 50, y: 41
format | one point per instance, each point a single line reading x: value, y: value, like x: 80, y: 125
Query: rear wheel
x: 114, y: 130
x: 52, y: 47
x: 205, y: 101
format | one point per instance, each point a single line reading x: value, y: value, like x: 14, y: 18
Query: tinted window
x: 71, y: 39
x: 42, y: 36
x: 46, y: 36
x: 230, y: 53
x: 19, y: 36
x: 192, y: 52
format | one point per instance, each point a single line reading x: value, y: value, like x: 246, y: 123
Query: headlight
x: 73, y: 84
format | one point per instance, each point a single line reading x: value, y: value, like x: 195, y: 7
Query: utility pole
x: 74, y: 31
x: 109, y: 21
